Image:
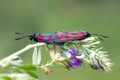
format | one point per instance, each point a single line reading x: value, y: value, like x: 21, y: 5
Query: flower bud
x: 47, y: 70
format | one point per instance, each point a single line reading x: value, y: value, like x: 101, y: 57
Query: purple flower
x: 72, y: 51
x: 75, y: 62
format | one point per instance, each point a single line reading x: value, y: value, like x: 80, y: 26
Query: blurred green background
x: 47, y: 16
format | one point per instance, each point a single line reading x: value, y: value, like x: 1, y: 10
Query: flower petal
x: 75, y: 62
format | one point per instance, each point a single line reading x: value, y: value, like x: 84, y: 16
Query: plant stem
x: 21, y: 51
x: 48, y: 64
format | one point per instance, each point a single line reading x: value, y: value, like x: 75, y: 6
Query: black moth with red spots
x: 58, y: 38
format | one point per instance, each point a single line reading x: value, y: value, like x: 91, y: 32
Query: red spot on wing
x: 70, y: 35
x: 61, y: 36
x: 80, y: 35
x: 49, y: 38
x: 41, y: 37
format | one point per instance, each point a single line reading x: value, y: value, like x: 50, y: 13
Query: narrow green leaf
x: 15, y: 60
x: 32, y: 74
x: 5, y: 78
x: 27, y: 67
x: 39, y: 56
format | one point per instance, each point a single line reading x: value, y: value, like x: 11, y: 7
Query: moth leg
x: 47, y: 46
x: 32, y: 42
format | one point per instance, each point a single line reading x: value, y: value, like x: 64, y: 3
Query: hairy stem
x: 21, y: 51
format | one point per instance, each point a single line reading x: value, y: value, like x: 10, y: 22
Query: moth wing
x: 62, y: 36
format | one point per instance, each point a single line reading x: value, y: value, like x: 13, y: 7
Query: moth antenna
x: 24, y: 35
x: 100, y: 36
x: 104, y: 36
x: 21, y: 37
x: 19, y: 33
x: 18, y: 39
